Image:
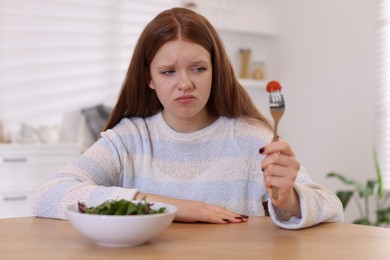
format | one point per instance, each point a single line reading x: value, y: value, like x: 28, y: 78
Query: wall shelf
x: 253, y: 83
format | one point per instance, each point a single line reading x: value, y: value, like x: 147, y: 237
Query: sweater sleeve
x: 318, y: 205
x: 94, y: 177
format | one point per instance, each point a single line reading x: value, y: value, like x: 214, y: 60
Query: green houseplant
x: 363, y: 195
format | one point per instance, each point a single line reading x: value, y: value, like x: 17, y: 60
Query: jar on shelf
x: 245, y: 55
x: 258, y: 70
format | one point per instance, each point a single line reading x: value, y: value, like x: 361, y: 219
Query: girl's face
x: 181, y: 75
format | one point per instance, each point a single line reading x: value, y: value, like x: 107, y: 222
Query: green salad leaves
x: 121, y: 207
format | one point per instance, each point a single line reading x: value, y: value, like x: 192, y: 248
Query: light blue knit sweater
x: 219, y: 164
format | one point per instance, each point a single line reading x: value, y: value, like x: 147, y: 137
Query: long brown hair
x: 227, y: 98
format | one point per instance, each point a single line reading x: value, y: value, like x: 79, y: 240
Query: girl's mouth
x: 185, y: 99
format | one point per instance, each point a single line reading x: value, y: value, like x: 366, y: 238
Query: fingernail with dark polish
x: 244, y: 216
x: 261, y: 151
x: 262, y: 169
x: 238, y: 217
x: 225, y: 219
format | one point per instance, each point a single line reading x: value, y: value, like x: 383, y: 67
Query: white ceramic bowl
x: 121, y: 231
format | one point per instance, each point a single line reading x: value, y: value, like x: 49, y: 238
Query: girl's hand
x: 196, y: 211
x: 280, y: 169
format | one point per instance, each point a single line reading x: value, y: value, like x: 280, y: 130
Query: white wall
x: 326, y: 54
x: 324, y: 57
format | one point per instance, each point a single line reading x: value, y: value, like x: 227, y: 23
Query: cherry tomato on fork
x: 273, y: 86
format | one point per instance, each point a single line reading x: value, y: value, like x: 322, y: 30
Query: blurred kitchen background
x: 62, y: 63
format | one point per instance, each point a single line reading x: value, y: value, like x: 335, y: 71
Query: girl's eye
x: 199, y: 69
x: 168, y: 72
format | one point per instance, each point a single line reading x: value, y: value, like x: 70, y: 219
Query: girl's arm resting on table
x: 196, y: 211
x: 94, y: 177
x: 52, y: 198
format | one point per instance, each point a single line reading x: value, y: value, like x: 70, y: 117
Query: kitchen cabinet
x: 23, y: 167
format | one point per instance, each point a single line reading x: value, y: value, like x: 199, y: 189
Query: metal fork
x: 276, y: 104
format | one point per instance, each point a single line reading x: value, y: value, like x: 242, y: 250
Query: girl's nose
x: 184, y: 82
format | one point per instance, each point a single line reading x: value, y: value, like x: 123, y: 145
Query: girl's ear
x: 151, y: 84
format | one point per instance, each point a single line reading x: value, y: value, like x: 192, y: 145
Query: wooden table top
x: 36, y: 238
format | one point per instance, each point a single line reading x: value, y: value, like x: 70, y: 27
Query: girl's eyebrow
x: 195, y: 62
x: 199, y: 61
